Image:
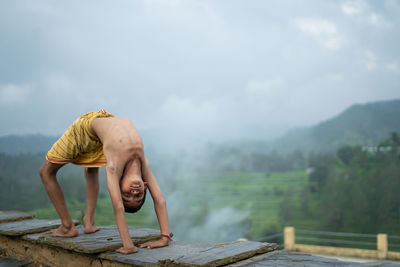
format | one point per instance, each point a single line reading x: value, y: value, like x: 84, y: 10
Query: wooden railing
x: 291, y: 243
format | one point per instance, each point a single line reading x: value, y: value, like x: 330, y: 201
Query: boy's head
x: 133, y: 192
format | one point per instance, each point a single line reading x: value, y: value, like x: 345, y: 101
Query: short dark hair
x: 135, y: 209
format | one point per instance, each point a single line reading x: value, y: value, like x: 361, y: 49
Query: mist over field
x: 234, y: 100
x: 194, y: 71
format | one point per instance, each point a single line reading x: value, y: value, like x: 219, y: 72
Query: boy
x: 94, y: 140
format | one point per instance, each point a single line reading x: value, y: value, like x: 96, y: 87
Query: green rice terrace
x: 257, y: 196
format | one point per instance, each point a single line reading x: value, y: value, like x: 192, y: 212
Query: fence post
x: 289, y: 238
x: 382, y: 246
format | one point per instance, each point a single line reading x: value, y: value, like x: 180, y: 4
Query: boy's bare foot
x: 90, y: 229
x: 63, y: 231
x: 88, y: 226
x: 125, y: 250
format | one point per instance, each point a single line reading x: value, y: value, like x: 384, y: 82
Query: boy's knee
x: 43, y: 170
x: 46, y: 170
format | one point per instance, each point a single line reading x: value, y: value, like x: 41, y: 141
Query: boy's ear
x: 145, y: 185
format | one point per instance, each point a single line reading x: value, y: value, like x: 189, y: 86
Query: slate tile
x: 11, y: 262
x: 19, y: 228
x: 145, y: 257
x: 192, y: 254
x: 287, y: 258
x: 222, y: 255
x: 13, y: 215
x: 106, y: 239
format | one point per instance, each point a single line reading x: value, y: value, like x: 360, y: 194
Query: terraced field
x: 255, y: 196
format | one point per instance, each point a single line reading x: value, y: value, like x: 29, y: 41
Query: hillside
x: 361, y: 124
x: 24, y: 144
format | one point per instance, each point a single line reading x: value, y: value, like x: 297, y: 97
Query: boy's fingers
x: 145, y: 245
x: 154, y: 244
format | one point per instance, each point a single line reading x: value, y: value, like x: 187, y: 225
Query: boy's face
x: 132, y: 190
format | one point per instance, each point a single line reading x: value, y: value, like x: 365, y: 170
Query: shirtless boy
x: 94, y: 140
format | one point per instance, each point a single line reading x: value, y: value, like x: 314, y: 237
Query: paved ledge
x: 11, y: 262
x: 14, y: 215
x: 193, y: 254
x: 106, y: 239
x: 29, y: 240
x: 23, y: 227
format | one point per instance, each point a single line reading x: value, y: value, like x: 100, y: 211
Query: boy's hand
x: 156, y: 244
x: 125, y: 250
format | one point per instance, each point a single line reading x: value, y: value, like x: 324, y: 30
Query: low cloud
x: 394, y: 67
x: 323, y: 31
x: 352, y: 7
x: 265, y: 87
x: 370, y: 60
x: 14, y: 94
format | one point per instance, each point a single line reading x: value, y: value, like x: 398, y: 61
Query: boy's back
x: 127, y: 169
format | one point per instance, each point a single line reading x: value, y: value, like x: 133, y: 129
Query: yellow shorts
x: 79, y: 144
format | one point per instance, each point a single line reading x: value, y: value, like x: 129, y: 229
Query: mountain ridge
x: 359, y: 124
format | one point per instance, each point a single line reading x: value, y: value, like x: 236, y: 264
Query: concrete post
x: 289, y: 238
x: 382, y: 246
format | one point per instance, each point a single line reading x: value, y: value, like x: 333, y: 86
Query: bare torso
x: 120, y: 138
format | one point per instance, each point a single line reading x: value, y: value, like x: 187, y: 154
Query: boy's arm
x: 160, y: 207
x: 119, y: 211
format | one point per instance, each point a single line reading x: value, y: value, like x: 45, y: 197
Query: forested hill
x: 361, y: 124
x: 24, y: 144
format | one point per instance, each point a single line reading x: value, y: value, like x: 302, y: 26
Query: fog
x: 194, y: 70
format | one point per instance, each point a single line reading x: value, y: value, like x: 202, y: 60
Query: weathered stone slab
x: 13, y: 215
x: 222, y: 255
x: 24, y: 227
x: 106, y: 239
x: 145, y: 257
x: 287, y: 258
x: 11, y: 262
x: 192, y: 254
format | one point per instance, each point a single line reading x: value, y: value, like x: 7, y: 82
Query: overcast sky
x: 216, y: 69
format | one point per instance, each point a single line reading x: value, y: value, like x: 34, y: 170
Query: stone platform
x: 106, y: 239
x: 14, y: 215
x: 27, y: 239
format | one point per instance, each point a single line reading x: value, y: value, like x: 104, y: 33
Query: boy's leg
x: 48, y: 173
x: 92, y: 191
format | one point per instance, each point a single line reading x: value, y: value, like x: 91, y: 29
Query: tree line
x: 354, y: 190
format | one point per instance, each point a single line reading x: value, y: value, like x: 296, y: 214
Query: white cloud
x: 216, y: 64
x: 13, y: 94
x: 392, y: 66
x: 378, y: 20
x: 323, y: 31
x: 264, y: 87
x: 316, y: 27
x: 351, y: 7
x: 336, y: 77
x: 184, y: 111
x: 370, y: 60
x: 333, y: 43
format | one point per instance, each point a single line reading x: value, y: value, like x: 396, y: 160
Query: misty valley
x: 340, y: 175
x: 212, y: 199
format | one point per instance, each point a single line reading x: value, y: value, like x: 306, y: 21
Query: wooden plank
x: 13, y: 215
x: 11, y: 262
x: 193, y: 254
x: 106, y: 239
x: 19, y: 228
